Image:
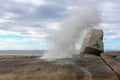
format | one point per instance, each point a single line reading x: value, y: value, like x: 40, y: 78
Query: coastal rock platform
x: 84, y: 67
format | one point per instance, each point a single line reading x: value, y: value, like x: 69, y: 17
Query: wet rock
x: 93, y: 42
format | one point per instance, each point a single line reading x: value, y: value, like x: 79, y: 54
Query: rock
x: 113, y: 61
x: 93, y: 42
x: 28, y: 70
x: 97, y: 68
x: 82, y: 68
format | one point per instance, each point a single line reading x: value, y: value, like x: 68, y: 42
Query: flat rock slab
x: 97, y: 68
x: 82, y: 68
x: 112, y: 59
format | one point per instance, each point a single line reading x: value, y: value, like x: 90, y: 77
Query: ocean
x: 23, y: 52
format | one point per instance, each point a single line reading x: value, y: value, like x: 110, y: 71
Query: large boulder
x: 93, y: 42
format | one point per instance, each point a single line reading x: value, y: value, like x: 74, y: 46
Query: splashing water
x: 83, y: 17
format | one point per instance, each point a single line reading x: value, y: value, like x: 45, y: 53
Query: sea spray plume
x: 83, y: 17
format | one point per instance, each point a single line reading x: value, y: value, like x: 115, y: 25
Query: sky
x: 28, y: 24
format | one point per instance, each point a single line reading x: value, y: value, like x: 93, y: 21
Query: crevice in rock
x: 110, y: 66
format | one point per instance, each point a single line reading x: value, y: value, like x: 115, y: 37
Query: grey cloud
x: 111, y: 16
x: 53, y: 11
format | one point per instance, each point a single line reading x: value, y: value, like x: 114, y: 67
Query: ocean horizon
x: 23, y: 52
x: 30, y: 52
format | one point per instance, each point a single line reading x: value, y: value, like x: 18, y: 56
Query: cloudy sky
x: 27, y: 24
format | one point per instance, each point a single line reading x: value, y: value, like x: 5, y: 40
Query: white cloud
x: 110, y: 26
x: 111, y: 37
x: 29, y: 18
x: 17, y: 47
x: 34, y: 2
x: 112, y: 48
x: 5, y: 21
x: 30, y: 32
x: 10, y: 15
x: 71, y: 8
x: 53, y: 26
x: 7, y: 18
x: 6, y: 32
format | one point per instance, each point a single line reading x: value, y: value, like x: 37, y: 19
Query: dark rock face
x: 93, y: 42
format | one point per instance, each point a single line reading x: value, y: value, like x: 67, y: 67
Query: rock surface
x: 93, y: 42
x: 113, y: 61
x: 81, y: 68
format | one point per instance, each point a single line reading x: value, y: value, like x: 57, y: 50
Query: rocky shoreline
x: 84, y: 67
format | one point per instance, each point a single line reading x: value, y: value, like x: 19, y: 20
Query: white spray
x: 83, y: 17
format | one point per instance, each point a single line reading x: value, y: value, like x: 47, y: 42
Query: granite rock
x: 81, y: 68
x: 93, y: 42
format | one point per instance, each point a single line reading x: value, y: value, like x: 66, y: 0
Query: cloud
x: 111, y: 12
x: 38, y: 19
x: 111, y: 31
x: 34, y: 2
x: 15, y: 40
x: 33, y: 33
x: 22, y: 15
x: 25, y: 13
x: 23, y: 47
x: 53, y: 26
